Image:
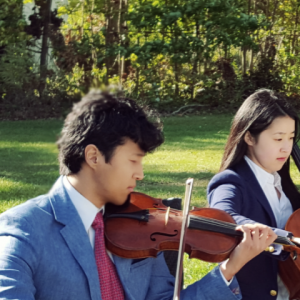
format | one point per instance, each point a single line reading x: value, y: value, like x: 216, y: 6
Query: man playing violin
x: 52, y: 247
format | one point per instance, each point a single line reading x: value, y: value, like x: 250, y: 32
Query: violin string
x: 210, y: 221
x: 231, y: 226
x: 224, y: 224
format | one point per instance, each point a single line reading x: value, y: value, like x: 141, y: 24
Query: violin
x: 289, y: 270
x: 146, y: 226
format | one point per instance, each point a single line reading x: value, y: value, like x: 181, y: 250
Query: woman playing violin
x: 52, y: 247
x: 248, y: 186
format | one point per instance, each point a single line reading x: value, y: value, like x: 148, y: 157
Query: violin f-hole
x: 152, y: 238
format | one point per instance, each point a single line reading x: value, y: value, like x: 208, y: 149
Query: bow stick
x: 185, y: 214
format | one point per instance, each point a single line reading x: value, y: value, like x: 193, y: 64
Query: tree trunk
x: 125, y: 65
x: 225, y: 51
x: 137, y: 85
x: 45, y: 48
x: 195, y: 65
x: 295, y: 32
x: 244, y: 52
x: 119, y: 31
x: 176, y: 71
x: 94, y: 52
x: 176, y: 79
x: 251, y: 60
x: 112, y: 37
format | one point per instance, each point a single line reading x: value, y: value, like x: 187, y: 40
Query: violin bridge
x: 167, y: 216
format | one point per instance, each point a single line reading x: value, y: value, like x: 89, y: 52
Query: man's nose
x: 139, y: 175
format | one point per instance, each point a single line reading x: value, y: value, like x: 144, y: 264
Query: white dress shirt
x: 282, y: 208
x: 86, y: 210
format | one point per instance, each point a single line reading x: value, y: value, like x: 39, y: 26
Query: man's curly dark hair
x: 104, y: 120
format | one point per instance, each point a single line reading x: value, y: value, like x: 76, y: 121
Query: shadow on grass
x: 28, y: 166
x: 197, y: 133
x: 26, y: 173
x: 39, y: 131
x: 215, y: 141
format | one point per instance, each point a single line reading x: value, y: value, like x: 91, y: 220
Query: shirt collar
x: 262, y: 176
x: 85, y: 208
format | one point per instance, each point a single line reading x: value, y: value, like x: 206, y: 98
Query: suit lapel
x: 75, y: 235
x: 245, y: 171
x: 78, y: 242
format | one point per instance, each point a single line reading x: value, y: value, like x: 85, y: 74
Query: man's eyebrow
x: 140, y: 154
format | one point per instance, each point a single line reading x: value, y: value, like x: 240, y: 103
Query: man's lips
x: 131, y: 188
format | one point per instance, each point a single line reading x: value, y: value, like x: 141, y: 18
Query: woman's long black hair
x: 255, y: 115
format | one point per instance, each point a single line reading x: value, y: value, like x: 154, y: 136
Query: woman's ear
x: 248, y: 138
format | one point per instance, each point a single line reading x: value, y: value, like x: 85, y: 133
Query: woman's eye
x: 278, y: 140
x: 133, y: 161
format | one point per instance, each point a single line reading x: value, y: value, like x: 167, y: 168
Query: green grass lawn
x: 193, y: 148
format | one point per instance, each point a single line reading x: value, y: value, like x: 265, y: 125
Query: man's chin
x: 117, y: 206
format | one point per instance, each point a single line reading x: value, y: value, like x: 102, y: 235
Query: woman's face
x: 273, y: 146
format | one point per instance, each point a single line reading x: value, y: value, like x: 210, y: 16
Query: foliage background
x: 165, y: 53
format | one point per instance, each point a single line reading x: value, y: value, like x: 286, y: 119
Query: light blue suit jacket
x: 45, y: 254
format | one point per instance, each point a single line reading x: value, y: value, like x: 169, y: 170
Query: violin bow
x: 185, y: 214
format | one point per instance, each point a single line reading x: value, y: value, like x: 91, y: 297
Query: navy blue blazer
x: 238, y: 192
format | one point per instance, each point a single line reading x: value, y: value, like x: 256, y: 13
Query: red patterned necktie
x: 110, y: 285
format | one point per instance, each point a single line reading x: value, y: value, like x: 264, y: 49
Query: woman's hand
x: 257, y: 237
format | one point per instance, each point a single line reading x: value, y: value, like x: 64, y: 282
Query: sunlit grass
x: 193, y: 148
x: 28, y: 160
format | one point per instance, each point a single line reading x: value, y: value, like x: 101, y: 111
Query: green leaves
x: 15, y: 65
x: 171, y: 18
x: 218, y: 22
x: 166, y: 49
x: 11, y: 21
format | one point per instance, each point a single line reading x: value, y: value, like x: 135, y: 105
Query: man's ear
x: 92, y: 156
x: 249, y: 139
